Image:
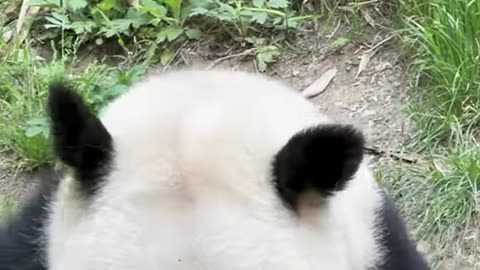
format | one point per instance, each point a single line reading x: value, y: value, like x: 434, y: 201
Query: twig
x: 21, y: 15
x: 382, y: 42
x: 329, y: 36
x: 367, y: 2
x: 174, y: 56
x: 368, y: 54
x: 376, y: 151
x: 221, y: 59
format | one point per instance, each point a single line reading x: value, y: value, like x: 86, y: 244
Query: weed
x: 165, y: 24
x: 440, y: 201
x: 443, y: 39
x: 21, y: 97
x: 159, y: 24
x: 23, y: 127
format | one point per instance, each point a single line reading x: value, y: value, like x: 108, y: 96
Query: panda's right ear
x: 322, y: 159
x: 79, y: 138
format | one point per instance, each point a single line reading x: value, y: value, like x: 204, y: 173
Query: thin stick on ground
x: 408, y: 158
x: 221, y: 59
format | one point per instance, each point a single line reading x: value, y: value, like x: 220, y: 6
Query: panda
x: 205, y: 170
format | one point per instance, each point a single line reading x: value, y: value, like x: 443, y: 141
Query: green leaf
x: 153, y: 8
x: 277, y: 3
x: 266, y: 55
x: 33, y: 131
x: 80, y: 27
x: 74, y: 5
x: 202, y: 3
x: 198, y: 11
x: 277, y: 20
x: 108, y: 32
x: 118, y: 26
x: 260, y: 17
x: 45, y: 3
x: 102, y: 111
x: 166, y: 56
x: 193, y: 33
x: 121, y: 25
x: 227, y: 8
x: 169, y: 34
x: 137, y: 17
x: 156, y: 21
x: 57, y: 20
x: 37, y: 126
x: 107, y: 5
x: 135, y: 74
x: 161, y: 36
x: 340, y: 42
x: 292, y: 24
x: 61, y: 17
x: 255, y: 16
x: 175, y: 6
x: 258, y: 3
x: 250, y: 40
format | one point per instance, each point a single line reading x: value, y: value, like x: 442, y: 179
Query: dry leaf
x: 368, y: 18
x: 7, y: 35
x: 423, y: 247
x: 12, y: 7
x: 320, y: 84
x: 33, y: 10
x: 441, y: 167
x: 134, y: 3
x: 363, y: 62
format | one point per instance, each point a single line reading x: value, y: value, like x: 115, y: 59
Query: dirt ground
x: 13, y: 182
x: 371, y: 101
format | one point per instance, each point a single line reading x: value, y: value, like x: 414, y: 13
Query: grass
x: 24, y: 78
x: 22, y: 96
x: 442, y: 38
x: 23, y: 91
x: 441, y: 43
x: 442, y: 200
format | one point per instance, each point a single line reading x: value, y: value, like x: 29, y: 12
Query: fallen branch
x: 221, y: 59
x: 408, y: 158
x: 368, y: 54
x: 21, y: 16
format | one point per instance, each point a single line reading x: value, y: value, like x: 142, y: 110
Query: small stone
x: 7, y: 35
x: 369, y: 113
x: 423, y: 247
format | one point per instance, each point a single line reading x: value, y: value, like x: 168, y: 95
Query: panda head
x: 197, y: 170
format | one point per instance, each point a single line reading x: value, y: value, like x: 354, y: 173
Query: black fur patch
x: 400, y: 251
x: 21, y: 246
x: 80, y: 139
x: 322, y: 158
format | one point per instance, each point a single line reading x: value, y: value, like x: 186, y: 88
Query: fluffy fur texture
x: 81, y: 141
x: 322, y: 158
x: 209, y: 170
x: 22, y: 244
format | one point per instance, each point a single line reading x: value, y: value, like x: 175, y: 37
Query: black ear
x: 322, y: 158
x: 80, y: 139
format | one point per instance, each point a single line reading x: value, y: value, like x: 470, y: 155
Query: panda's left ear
x: 79, y: 138
x: 322, y: 159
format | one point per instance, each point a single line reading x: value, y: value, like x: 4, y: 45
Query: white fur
x: 191, y: 187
